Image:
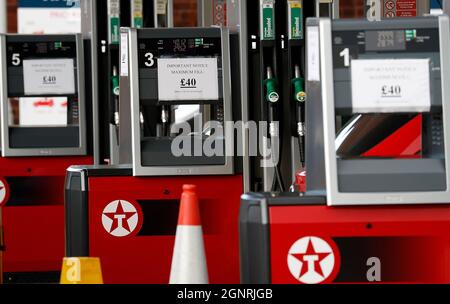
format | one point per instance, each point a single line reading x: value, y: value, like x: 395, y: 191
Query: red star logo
x: 311, y: 253
x: 119, y: 216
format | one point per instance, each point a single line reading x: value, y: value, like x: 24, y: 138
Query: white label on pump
x: 188, y: 79
x: 37, y: 111
x: 124, y: 54
x: 313, y: 54
x: 390, y: 86
x: 49, y: 77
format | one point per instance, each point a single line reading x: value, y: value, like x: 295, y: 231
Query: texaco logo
x: 312, y: 260
x: 4, y: 192
x: 120, y: 218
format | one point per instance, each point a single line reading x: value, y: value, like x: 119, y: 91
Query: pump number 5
x: 15, y: 59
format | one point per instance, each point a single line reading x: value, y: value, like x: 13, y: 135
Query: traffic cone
x: 81, y: 271
x: 189, y: 260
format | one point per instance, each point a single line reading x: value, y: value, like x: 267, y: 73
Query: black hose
x: 301, y: 147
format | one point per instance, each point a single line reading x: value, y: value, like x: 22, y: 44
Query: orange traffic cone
x: 189, y: 260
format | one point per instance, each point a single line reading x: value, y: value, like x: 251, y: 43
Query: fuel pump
x: 390, y: 68
x: 171, y: 85
x: 272, y: 97
x: 194, y: 72
x: 102, y: 24
x: 295, y: 28
x: 277, y: 43
x: 44, y: 119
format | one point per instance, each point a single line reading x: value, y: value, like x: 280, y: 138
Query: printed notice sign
x: 313, y: 54
x: 188, y: 79
x: 52, y: 77
x: 124, y: 54
x: 390, y: 86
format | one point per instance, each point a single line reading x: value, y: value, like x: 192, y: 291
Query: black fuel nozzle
x: 272, y: 97
x: 165, y: 120
x: 300, y: 100
x: 115, y: 120
x: 116, y: 93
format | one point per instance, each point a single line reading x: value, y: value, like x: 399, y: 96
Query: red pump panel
x: 145, y: 254
x: 404, y: 244
x: 33, y: 217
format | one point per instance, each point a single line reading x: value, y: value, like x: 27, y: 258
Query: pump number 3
x: 149, y: 59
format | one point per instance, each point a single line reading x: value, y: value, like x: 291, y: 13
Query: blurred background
x: 185, y: 13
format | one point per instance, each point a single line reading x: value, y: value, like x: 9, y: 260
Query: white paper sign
x: 390, y: 86
x: 48, y: 20
x: 313, y: 54
x: 35, y: 111
x: 124, y: 54
x: 188, y: 79
x: 49, y: 76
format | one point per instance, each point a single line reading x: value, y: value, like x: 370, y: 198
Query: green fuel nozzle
x: 115, y: 81
x: 271, y: 87
x: 299, y: 87
x: 300, y: 99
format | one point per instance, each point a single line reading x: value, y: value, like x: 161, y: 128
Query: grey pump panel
x: 359, y: 180
x: 151, y: 152
x: 41, y: 140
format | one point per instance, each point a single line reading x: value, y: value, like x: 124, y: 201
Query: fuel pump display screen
x: 152, y: 49
x: 17, y: 52
x: 355, y: 44
x: 385, y: 41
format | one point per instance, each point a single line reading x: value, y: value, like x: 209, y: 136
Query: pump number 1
x: 346, y: 55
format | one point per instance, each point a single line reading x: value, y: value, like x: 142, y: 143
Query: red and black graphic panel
x: 397, y: 259
x: 130, y: 223
x: 33, y: 216
x: 381, y: 136
x: 302, y: 240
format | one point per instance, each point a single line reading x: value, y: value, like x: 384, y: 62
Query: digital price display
x: 17, y: 52
x: 152, y: 49
x: 385, y: 41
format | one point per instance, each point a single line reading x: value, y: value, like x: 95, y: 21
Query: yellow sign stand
x: 81, y: 271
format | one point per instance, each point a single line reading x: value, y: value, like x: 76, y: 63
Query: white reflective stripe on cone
x: 189, y: 260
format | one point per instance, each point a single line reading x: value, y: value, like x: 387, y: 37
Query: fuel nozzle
x: 115, y: 82
x: 298, y: 82
x: 272, y: 97
x: 116, y: 93
x: 300, y: 99
x: 271, y: 87
x: 165, y: 120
